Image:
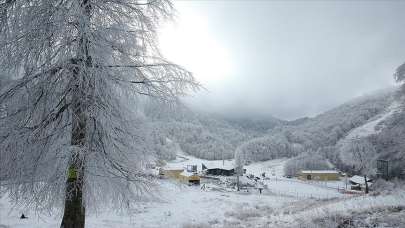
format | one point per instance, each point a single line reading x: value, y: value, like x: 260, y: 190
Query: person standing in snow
x: 260, y: 187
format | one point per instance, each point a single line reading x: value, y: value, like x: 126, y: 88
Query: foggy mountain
x: 217, y: 137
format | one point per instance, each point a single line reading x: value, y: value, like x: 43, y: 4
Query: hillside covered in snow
x: 202, y: 135
x: 377, y: 118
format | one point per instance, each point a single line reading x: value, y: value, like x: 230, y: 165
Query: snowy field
x: 278, y: 184
x: 285, y: 203
x: 180, y: 205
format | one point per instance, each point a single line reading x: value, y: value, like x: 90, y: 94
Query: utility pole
x: 237, y: 182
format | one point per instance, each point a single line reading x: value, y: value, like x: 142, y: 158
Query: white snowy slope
x: 373, y: 126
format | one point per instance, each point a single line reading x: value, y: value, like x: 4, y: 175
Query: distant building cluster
x: 192, y: 174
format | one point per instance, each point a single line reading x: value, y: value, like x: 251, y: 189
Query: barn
x: 319, y: 175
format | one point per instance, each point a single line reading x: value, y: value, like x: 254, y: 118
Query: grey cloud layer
x: 296, y: 59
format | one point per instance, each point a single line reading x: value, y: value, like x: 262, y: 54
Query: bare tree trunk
x: 366, y: 184
x: 74, y: 213
x: 237, y: 182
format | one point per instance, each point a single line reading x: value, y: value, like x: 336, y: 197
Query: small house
x: 319, y: 175
x: 358, y: 182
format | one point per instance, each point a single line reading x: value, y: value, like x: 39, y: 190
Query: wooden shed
x: 319, y: 175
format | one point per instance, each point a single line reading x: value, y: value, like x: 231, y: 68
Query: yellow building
x: 189, y: 178
x: 319, y: 175
x: 181, y: 175
x: 171, y: 172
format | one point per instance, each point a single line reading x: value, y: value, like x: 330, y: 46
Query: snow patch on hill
x: 374, y: 126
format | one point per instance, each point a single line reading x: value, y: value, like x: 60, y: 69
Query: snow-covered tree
x: 399, y: 74
x: 390, y: 144
x: 201, y: 135
x: 72, y: 132
x: 399, y: 77
x: 267, y: 148
x: 305, y: 161
x: 361, y: 154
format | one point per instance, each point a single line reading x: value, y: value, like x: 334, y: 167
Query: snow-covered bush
x: 381, y: 186
x: 372, y: 217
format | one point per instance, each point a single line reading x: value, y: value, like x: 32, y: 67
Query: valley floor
x: 285, y: 203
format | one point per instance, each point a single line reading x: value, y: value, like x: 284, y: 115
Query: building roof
x: 318, y: 171
x: 173, y: 167
x: 188, y: 174
x: 219, y: 164
x: 358, y: 179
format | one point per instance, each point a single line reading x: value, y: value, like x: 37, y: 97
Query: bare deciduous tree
x: 71, y: 133
x: 361, y: 155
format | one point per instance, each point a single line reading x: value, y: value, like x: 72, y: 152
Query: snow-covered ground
x: 280, y: 185
x: 272, y: 168
x: 283, y: 204
x: 179, y: 205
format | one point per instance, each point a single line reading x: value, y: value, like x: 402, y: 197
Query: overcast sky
x: 287, y: 59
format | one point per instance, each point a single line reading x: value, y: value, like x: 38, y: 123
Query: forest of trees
x: 202, y: 135
x: 320, y: 132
